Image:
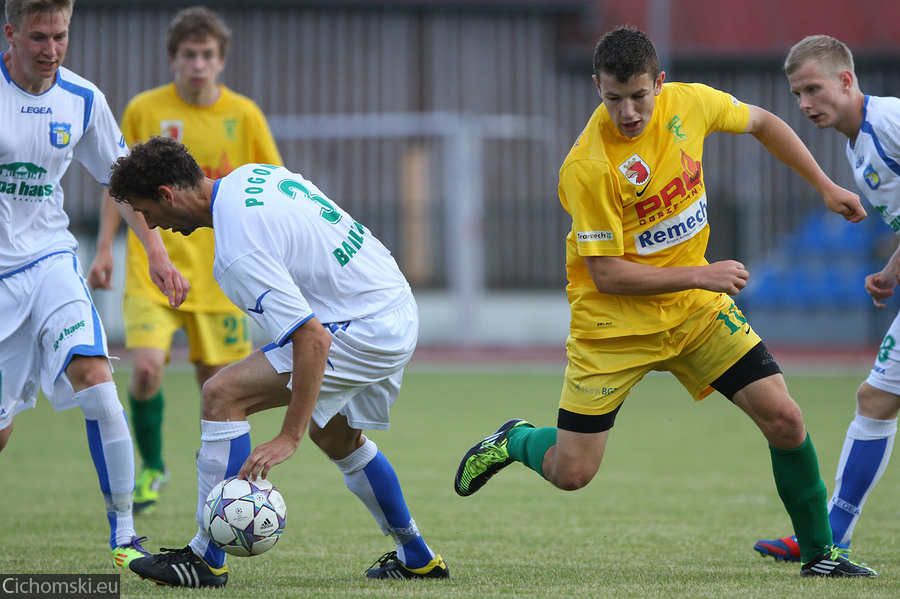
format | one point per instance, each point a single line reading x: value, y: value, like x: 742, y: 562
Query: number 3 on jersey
x: 290, y: 188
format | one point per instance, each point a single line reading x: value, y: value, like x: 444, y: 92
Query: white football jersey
x: 40, y: 137
x: 286, y: 253
x: 875, y: 158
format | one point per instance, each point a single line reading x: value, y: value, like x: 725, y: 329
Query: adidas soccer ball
x: 244, y: 517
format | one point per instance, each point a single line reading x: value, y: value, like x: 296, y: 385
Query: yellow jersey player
x: 224, y: 130
x: 644, y: 298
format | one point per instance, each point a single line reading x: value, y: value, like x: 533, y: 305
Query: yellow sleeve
x: 724, y: 112
x: 128, y: 125
x: 589, y: 192
x: 264, y: 150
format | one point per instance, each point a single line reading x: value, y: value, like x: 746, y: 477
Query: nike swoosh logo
x: 259, y: 309
x: 641, y: 192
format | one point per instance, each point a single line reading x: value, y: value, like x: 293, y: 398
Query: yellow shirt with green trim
x: 642, y: 199
x: 221, y: 137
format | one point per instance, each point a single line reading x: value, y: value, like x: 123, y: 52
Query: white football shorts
x: 885, y: 374
x: 365, y: 366
x: 47, y: 318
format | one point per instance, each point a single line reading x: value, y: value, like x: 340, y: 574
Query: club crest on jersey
x: 676, y: 128
x: 635, y: 170
x: 173, y: 128
x: 60, y: 134
x: 871, y: 177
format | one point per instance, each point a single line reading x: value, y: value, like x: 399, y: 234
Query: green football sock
x: 528, y: 445
x: 803, y: 493
x: 146, y: 418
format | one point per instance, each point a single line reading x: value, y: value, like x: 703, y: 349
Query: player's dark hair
x: 158, y: 161
x: 626, y: 52
x: 197, y: 22
x: 18, y: 10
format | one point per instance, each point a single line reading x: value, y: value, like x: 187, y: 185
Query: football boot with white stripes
x: 179, y: 568
x: 834, y: 563
x: 388, y: 566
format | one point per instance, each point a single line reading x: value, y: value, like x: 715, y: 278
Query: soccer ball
x: 244, y: 517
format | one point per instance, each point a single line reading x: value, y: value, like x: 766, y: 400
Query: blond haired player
x: 644, y: 298
x: 51, y: 337
x: 223, y: 130
x: 821, y: 73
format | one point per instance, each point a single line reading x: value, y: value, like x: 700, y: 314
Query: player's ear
x: 846, y: 80
x: 166, y: 194
x: 657, y: 87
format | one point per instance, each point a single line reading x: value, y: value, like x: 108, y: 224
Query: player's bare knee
x: 337, y: 444
x: 785, y: 429
x: 573, y: 480
x: 570, y: 475
x: 146, y: 379
x: 877, y: 404
x: 88, y: 371
x: 216, y: 400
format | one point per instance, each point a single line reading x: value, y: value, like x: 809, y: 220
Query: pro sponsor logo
x: 584, y: 236
x: 635, y: 170
x: 668, y: 201
x: 674, y: 230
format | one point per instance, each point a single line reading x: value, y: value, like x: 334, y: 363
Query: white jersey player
x: 822, y: 77
x: 50, y: 335
x: 343, y: 323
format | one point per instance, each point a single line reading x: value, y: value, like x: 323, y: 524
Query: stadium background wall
x: 441, y: 126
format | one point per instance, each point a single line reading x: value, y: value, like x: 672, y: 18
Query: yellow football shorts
x: 601, y: 372
x: 214, y: 339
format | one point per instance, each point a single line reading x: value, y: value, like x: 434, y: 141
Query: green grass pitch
x: 684, y: 491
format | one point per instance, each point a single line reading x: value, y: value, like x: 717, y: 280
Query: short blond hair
x: 18, y: 10
x: 829, y: 52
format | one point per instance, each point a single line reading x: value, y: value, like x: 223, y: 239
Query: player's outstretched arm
x: 782, y: 142
x: 100, y: 273
x: 162, y: 272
